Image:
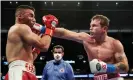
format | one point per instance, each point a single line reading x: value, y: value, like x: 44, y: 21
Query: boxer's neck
x: 101, y: 38
x: 18, y: 21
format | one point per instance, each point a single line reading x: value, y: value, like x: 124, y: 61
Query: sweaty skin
x: 21, y: 39
x: 98, y: 45
x: 16, y: 48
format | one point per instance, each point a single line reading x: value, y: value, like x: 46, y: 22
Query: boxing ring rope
x: 80, y: 30
x: 77, y: 75
x: 85, y: 76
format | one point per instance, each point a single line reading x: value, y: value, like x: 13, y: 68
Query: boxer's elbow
x: 44, y: 48
x: 44, y: 45
x: 127, y: 68
x: 123, y: 68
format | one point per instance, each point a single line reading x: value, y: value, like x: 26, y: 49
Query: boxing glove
x: 98, y: 66
x: 50, y: 23
x: 38, y: 28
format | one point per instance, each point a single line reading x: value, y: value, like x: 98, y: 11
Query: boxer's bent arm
x: 120, y: 57
x: 31, y: 38
x: 70, y: 35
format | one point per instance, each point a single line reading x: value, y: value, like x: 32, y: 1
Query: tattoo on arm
x: 120, y: 58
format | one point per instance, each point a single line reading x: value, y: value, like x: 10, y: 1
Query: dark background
x: 76, y: 17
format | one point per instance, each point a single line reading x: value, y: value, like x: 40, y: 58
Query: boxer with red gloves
x: 21, y: 38
x: 50, y: 22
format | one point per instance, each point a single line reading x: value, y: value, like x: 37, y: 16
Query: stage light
x: 10, y: 2
x: 52, y: 3
x: 78, y: 4
x: 45, y: 3
x: 30, y: 3
x: 97, y: 4
x: 84, y: 61
x: 116, y: 3
x: 42, y: 57
x: 16, y: 2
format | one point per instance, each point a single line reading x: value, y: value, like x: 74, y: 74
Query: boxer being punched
x: 106, y: 54
x: 21, y: 38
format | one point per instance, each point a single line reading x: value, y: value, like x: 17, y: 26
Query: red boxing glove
x: 50, y: 22
x: 35, y: 50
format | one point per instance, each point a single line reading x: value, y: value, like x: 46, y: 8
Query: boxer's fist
x: 38, y: 29
x: 98, y: 66
x: 50, y: 21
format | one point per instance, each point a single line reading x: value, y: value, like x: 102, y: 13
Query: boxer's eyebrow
x: 32, y: 15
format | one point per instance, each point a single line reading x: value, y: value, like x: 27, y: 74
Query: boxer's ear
x: 21, y: 16
x: 104, y: 29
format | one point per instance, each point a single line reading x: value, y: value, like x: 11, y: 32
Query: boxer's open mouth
x: 91, y: 33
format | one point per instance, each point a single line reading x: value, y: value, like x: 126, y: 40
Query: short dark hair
x: 58, y: 46
x: 22, y: 7
x: 104, y: 21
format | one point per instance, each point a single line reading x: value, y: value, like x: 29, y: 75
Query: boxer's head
x: 99, y: 25
x: 25, y: 14
x: 58, y: 52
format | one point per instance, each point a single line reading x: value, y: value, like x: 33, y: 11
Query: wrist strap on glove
x: 49, y: 32
x: 111, y: 68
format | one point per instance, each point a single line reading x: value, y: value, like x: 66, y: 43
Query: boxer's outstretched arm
x: 70, y: 35
x: 32, y: 39
x: 120, y: 57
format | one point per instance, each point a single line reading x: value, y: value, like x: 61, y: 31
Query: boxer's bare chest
x: 102, y: 51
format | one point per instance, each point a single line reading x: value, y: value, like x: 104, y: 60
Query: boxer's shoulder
x: 18, y: 27
x: 22, y: 29
x: 114, y: 41
x: 116, y: 44
x: 23, y: 26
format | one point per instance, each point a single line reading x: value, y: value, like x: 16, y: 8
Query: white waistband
x: 25, y: 66
x: 17, y: 62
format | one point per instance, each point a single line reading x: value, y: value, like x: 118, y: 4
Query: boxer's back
x: 16, y: 48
